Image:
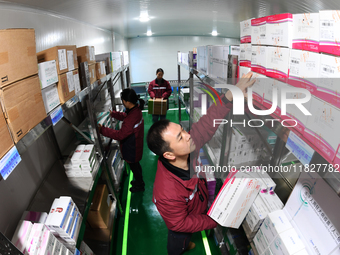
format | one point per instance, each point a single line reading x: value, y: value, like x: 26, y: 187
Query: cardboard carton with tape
x: 157, y: 106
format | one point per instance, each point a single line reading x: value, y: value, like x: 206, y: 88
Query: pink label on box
x: 299, y: 127
x: 320, y: 145
x: 258, y: 98
x: 302, y: 83
x: 307, y: 45
x: 246, y: 39
x: 277, y: 75
x: 280, y: 18
x: 330, y: 47
x: 329, y: 96
x: 245, y: 63
x: 259, y: 21
x: 258, y: 69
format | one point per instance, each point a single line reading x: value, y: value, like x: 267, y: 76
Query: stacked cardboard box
x: 86, y: 54
x: 5, y: 136
x: 100, y: 70
x: 157, y: 106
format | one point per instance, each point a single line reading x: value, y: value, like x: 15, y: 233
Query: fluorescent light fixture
x: 149, y: 33
x: 144, y: 16
x: 214, y: 33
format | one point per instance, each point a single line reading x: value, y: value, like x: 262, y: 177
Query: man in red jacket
x: 182, y: 199
x: 159, y: 88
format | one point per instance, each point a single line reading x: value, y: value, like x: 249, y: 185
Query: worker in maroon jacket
x: 180, y: 198
x: 131, y: 136
x: 159, y: 88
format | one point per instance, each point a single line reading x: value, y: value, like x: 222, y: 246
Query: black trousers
x: 177, y: 242
x: 136, y: 168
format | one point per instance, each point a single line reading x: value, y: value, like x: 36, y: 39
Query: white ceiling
x: 173, y: 17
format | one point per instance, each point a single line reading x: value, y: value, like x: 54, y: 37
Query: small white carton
x: 77, y: 153
x: 267, y: 180
x: 57, y: 247
x: 306, y: 31
x: 245, y: 55
x: 257, y: 213
x: 22, y: 234
x: 47, y: 243
x: 34, y: 217
x: 34, y: 240
x: 87, y: 155
x: 272, y: 201
x: 274, y: 224
x: 259, y: 31
x: 243, y: 70
x: 245, y: 31
x: 287, y: 243
x: 85, y: 249
x: 259, y: 59
x: 48, y: 74
x: 50, y: 97
x: 234, y: 50
x: 260, y: 242
x: 234, y: 200
x: 330, y: 32
x: 278, y: 63
x: 280, y: 30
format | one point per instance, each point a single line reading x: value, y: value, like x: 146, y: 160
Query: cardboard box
x: 234, y: 200
x: 66, y: 86
x: 100, y: 70
x: 93, y: 73
x: 99, y: 213
x: 313, y: 201
x: 106, y: 57
x: 18, y: 57
x: 21, y: 235
x: 51, y: 98
x: 157, y: 106
x: 258, y: 31
x: 274, y: 224
x: 86, y: 53
x: 65, y: 57
x: 116, y: 60
x: 304, y: 69
x: 306, y: 31
x: 321, y: 129
x: 287, y: 243
x: 77, y: 87
x: 245, y: 31
x: 48, y: 74
x: 280, y: 30
x: 328, y: 85
x: 5, y: 136
x: 245, y: 55
x: 259, y: 59
x: 23, y: 106
x: 329, y: 32
x: 278, y: 63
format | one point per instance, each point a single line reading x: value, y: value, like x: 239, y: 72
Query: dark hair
x: 159, y: 70
x: 155, y: 140
x: 129, y: 95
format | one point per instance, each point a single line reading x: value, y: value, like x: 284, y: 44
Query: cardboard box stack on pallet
x: 20, y: 93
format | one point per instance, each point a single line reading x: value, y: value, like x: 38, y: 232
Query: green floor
x: 146, y: 230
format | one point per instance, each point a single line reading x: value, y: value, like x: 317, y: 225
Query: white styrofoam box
x: 234, y: 200
x: 304, y: 69
x: 58, y: 217
x: 47, y: 243
x: 245, y: 31
x: 306, y: 31
x: 272, y: 201
x: 329, y: 32
x: 260, y: 242
x: 275, y: 223
x: 35, y: 217
x: 245, y: 55
x: 77, y: 153
x: 259, y: 31
x: 22, y: 234
x: 34, y: 240
x: 48, y: 74
x: 313, y: 201
x: 218, y: 65
x: 259, y: 59
x: 278, y: 63
x: 85, y: 249
x: 328, y: 88
x: 77, y: 87
x: 321, y: 129
x: 257, y: 213
x: 280, y: 30
x: 287, y: 243
x: 126, y: 57
x: 50, y: 97
x: 234, y: 50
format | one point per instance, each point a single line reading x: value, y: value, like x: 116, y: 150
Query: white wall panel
x: 149, y: 53
x: 120, y: 43
x: 52, y: 30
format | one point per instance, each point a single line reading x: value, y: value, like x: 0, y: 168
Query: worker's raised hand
x: 244, y: 82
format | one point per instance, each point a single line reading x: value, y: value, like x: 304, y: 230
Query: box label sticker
x: 70, y: 60
x: 62, y: 59
x: 70, y: 81
x: 52, y: 99
x: 9, y: 162
x: 56, y: 115
x: 92, y: 57
x: 77, y: 88
x: 299, y: 148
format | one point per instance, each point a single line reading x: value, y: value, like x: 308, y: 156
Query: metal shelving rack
x: 82, y: 190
